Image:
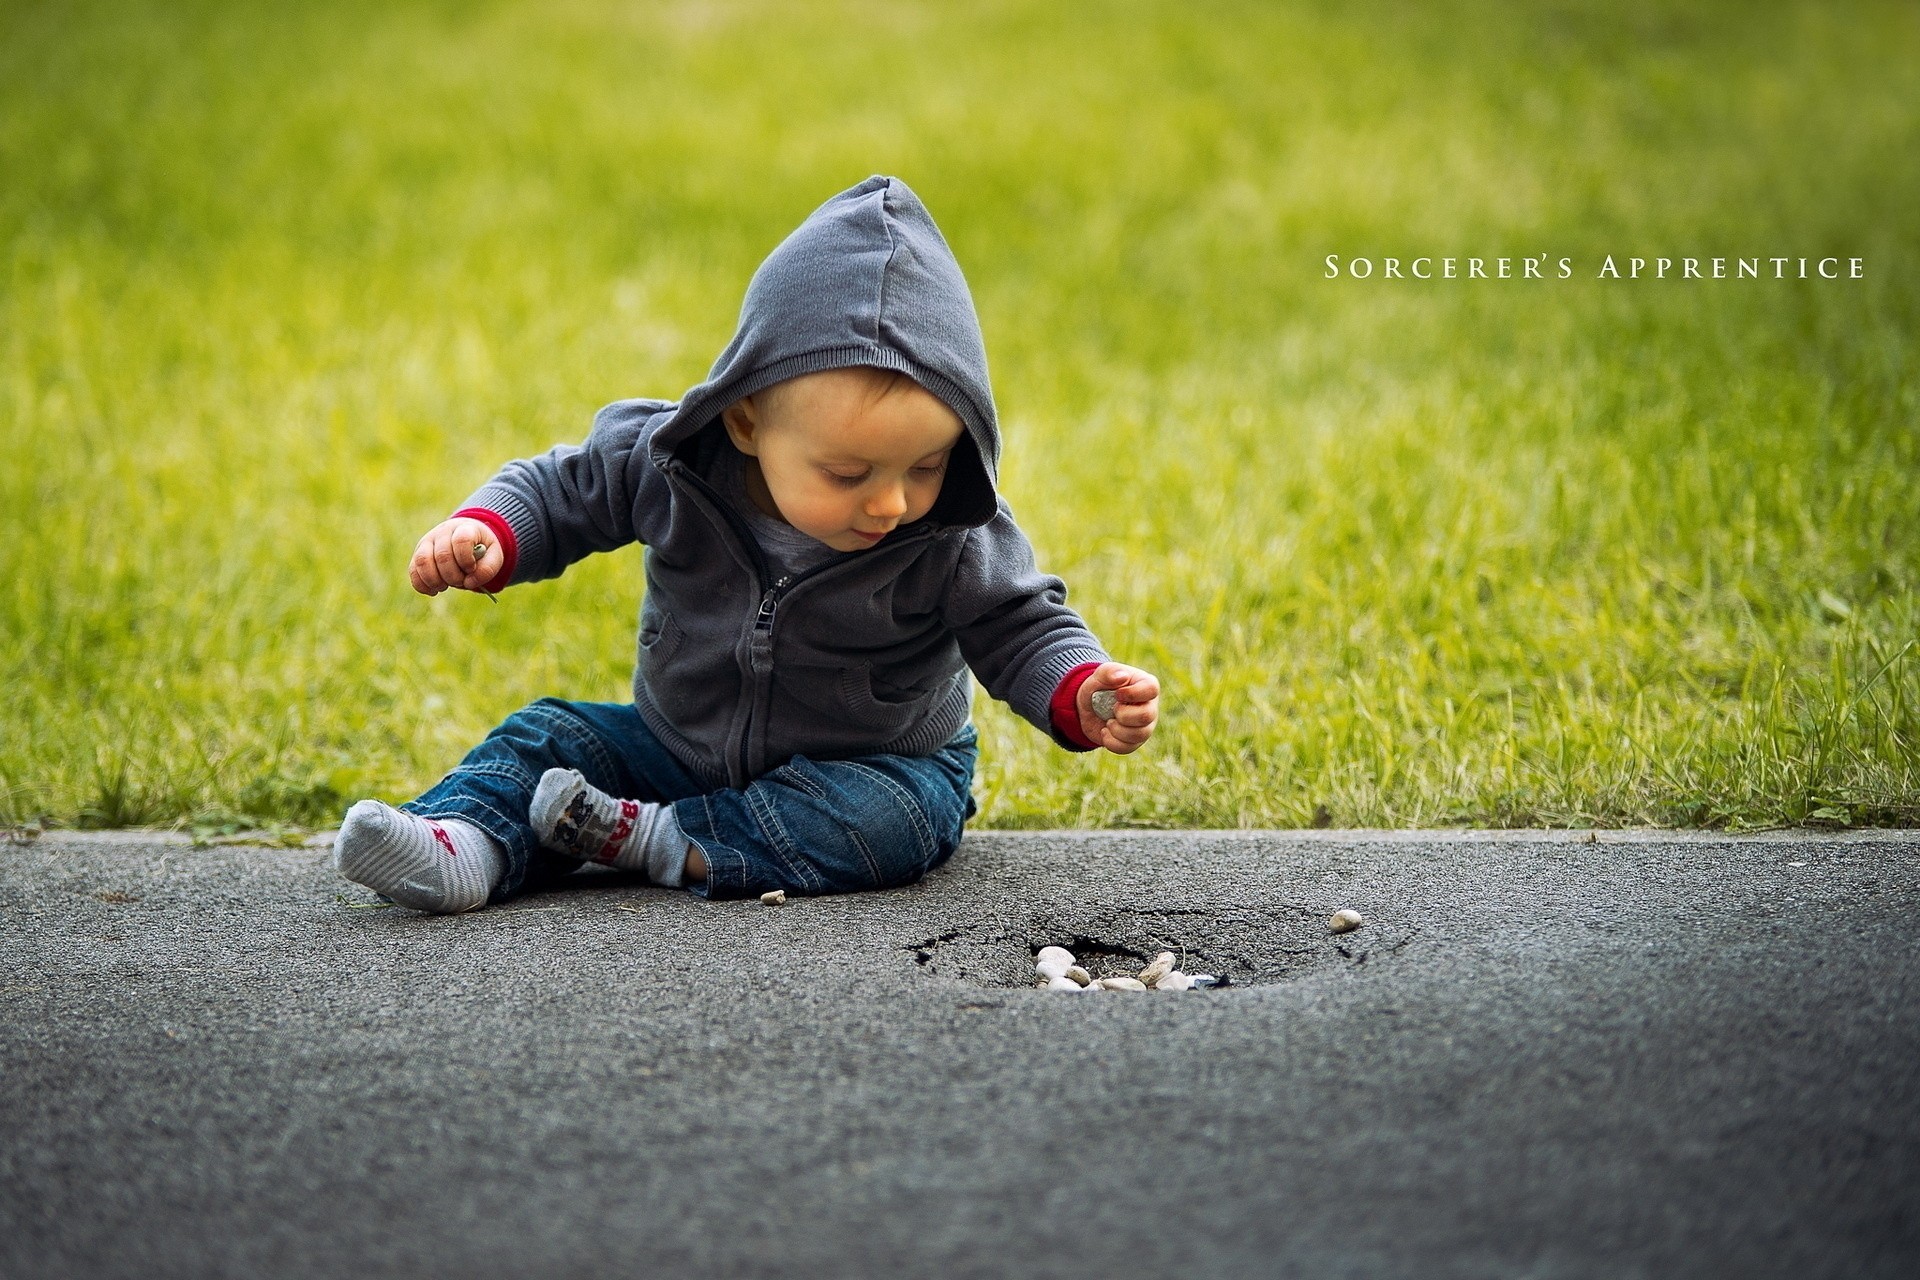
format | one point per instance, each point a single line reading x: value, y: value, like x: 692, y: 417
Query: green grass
x: 281, y: 284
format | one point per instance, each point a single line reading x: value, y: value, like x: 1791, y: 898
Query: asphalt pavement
x: 1543, y: 1055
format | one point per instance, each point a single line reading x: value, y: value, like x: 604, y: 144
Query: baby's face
x: 843, y: 461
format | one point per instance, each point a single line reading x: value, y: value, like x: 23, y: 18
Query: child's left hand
x: 1137, y: 695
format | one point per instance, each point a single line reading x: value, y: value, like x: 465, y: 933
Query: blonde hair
x: 877, y: 383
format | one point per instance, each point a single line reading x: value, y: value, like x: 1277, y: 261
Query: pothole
x: 1249, y: 946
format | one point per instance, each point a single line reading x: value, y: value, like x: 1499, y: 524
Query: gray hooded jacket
x: 868, y: 652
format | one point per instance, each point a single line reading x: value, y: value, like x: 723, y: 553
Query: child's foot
x: 444, y: 866
x: 577, y: 819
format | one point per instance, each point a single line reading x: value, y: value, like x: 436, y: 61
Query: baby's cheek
x: 813, y: 517
x: 825, y: 511
x: 921, y: 501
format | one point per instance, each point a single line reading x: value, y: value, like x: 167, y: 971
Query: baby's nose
x: 888, y: 504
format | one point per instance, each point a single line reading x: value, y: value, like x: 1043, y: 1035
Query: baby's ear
x: 742, y: 421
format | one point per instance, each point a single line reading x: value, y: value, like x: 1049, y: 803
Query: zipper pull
x: 764, y: 621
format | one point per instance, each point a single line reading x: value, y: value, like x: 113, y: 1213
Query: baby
x: 827, y: 559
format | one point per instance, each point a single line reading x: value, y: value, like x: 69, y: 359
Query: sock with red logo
x: 571, y: 816
x: 442, y: 865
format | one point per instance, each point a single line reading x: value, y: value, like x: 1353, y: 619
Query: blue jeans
x: 809, y: 827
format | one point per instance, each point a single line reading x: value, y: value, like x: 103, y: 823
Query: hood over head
x: 866, y: 279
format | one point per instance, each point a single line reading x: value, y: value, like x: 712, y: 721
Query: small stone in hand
x: 479, y: 554
x: 1105, y: 703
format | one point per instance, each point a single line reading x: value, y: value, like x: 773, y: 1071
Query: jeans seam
x: 801, y: 782
x: 728, y: 869
x: 866, y: 854
x: 491, y: 770
x: 929, y: 844
x: 708, y: 822
x: 804, y: 782
x: 767, y: 818
x: 572, y: 725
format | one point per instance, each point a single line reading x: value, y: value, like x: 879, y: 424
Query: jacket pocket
x: 660, y: 638
x: 694, y: 685
x: 851, y: 696
x: 874, y: 702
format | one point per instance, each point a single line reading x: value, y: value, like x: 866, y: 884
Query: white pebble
x: 1175, y: 981
x: 1062, y: 984
x: 1053, y: 962
x: 1123, y: 984
x: 1345, y: 920
x: 1162, y: 965
x: 774, y: 898
x: 1105, y: 702
x: 1080, y: 975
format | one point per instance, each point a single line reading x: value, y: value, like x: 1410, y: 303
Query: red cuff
x: 503, y: 534
x: 1064, y: 707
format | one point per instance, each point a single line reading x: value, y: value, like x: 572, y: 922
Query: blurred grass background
x: 283, y: 283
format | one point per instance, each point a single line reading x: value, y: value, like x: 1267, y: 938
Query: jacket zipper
x: 770, y: 596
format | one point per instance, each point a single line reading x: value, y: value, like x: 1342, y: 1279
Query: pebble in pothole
x: 1059, y: 971
x: 1053, y: 962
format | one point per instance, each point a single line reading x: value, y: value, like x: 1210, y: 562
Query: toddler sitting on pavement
x: 827, y: 560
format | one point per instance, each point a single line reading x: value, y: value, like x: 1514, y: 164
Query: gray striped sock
x: 442, y: 865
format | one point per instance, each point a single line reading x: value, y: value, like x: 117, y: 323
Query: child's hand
x: 1137, y: 699
x: 445, y: 557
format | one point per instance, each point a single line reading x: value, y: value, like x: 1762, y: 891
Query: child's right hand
x: 445, y: 557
